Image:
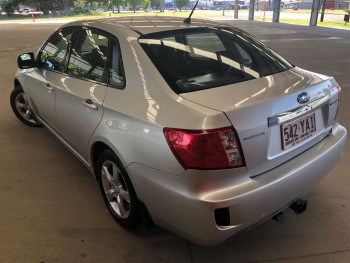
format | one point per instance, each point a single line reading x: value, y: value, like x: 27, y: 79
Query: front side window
x: 203, y: 58
x: 54, y: 53
x: 88, y: 57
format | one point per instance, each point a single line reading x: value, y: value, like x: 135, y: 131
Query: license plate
x: 298, y: 130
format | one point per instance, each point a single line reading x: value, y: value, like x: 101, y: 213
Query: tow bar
x: 299, y: 207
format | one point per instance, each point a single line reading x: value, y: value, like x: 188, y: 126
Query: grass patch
x: 333, y: 24
x: 308, y: 11
x: 306, y: 22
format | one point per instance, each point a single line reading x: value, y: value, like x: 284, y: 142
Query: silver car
x: 193, y: 125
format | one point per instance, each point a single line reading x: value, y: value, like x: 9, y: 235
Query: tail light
x: 209, y: 149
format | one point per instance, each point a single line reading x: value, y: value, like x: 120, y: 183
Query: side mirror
x: 26, y: 60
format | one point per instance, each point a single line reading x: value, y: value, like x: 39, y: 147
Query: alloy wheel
x: 23, y: 108
x: 115, y: 189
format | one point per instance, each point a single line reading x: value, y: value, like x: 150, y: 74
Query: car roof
x: 147, y: 24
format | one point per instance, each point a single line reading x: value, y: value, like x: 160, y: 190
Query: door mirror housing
x: 26, y: 60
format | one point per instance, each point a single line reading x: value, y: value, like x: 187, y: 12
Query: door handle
x: 49, y: 88
x: 89, y: 104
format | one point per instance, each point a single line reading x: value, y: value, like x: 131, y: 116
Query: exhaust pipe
x: 299, y: 206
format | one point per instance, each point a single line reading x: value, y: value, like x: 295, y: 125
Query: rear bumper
x: 185, y: 204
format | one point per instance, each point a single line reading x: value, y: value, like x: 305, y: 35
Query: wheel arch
x: 16, y: 83
x: 97, y: 148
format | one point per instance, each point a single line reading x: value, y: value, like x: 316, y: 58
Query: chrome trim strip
x: 64, y: 143
x: 297, y: 112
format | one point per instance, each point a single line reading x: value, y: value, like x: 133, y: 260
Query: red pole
x: 33, y: 17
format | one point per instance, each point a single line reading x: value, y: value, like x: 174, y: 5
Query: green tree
x: 155, y: 4
x: 43, y: 5
x: 10, y: 6
x: 62, y: 5
x: 135, y: 3
x: 118, y: 4
x: 182, y: 3
x: 80, y: 3
x: 158, y: 4
x: 145, y: 4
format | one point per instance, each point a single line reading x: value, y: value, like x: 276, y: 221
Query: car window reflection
x: 89, y: 56
x: 54, y: 52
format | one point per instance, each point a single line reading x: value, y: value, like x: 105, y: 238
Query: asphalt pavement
x: 52, y: 211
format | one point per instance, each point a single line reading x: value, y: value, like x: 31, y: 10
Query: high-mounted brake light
x: 209, y: 149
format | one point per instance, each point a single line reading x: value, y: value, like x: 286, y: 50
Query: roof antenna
x: 188, y: 19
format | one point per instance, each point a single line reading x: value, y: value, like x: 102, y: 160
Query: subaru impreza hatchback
x: 197, y: 126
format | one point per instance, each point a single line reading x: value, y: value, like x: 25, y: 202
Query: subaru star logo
x: 303, y: 97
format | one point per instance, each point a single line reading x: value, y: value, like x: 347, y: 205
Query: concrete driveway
x: 51, y: 209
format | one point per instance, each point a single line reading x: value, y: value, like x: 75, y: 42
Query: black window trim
x: 66, y: 57
x: 109, y: 62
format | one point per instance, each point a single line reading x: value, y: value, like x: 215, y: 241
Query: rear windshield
x: 203, y: 58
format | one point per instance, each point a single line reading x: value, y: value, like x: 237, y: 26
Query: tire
x: 21, y: 108
x: 117, y: 190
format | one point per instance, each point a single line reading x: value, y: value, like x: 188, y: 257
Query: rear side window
x: 116, y: 72
x: 88, y: 57
x: 54, y: 53
x: 203, y: 58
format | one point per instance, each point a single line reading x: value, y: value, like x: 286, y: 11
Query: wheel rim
x: 115, y: 189
x: 23, y: 108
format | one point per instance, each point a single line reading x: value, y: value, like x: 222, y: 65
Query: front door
x: 51, y: 63
x: 80, y: 94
